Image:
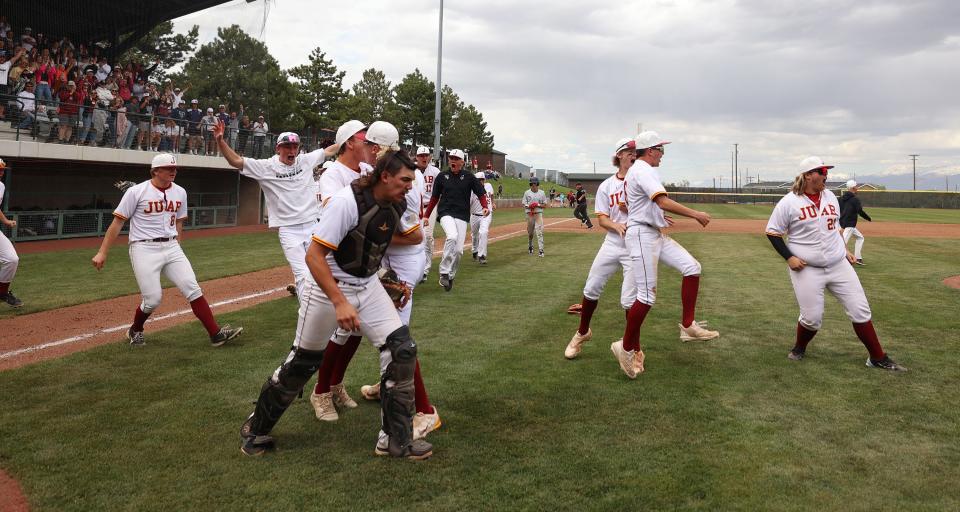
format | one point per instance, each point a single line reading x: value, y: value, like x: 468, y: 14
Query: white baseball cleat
x: 323, y: 406
x: 697, y: 333
x: 341, y: 398
x: 423, y: 424
x: 576, y: 344
x: 371, y: 392
x: 626, y: 358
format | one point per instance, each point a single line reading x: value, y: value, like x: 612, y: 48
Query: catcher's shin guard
x: 397, y: 391
x: 282, y: 388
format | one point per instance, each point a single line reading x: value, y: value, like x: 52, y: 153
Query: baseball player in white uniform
x: 818, y: 259
x: 534, y: 201
x: 356, y: 227
x: 611, y: 210
x: 647, y: 245
x: 430, y: 173
x: 156, y: 209
x: 479, y: 223
x: 287, y: 183
x: 9, y: 261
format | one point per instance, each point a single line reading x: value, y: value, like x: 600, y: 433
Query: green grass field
x: 513, y: 187
x: 731, y: 424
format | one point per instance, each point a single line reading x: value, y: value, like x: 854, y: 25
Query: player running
x: 289, y: 189
x: 451, y: 198
x: 480, y: 223
x: 850, y: 208
x: 9, y: 261
x: 611, y: 209
x: 156, y: 209
x: 357, y: 226
x: 430, y: 173
x: 534, y: 201
x: 818, y: 259
x: 647, y: 245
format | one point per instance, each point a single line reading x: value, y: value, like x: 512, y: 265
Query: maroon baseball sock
x: 139, y: 318
x: 330, y: 356
x: 420, y: 392
x: 202, y: 310
x: 4, y: 288
x: 626, y: 313
x: 804, y: 336
x: 868, y: 336
x: 689, y: 289
x: 631, y: 336
x: 587, y: 307
x: 346, y: 355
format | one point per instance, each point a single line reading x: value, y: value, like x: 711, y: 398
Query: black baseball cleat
x: 225, y: 334
x: 135, y: 337
x: 796, y: 354
x: 530, y: 249
x: 483, y: 260
x: 253, y: 445
x: 446, y: 282
x: 860, y: 262
x: 11, y: 299
x: 885, y: 364
x: 541, y: 254
x: 474, y: 256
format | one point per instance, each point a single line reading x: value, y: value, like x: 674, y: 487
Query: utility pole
x: 914, y: 157
x: 736, y: 165
x: 436, y: 110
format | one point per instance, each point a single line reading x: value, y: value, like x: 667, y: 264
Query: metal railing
x: 106, y: 126
x: 57, y: 224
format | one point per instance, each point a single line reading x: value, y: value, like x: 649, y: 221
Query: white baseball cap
x: 383, y: 134
x: 163, y: 160
x: 810, y: 163
x: 423, y: 150
x: 347, y: 130
x: 649, y: 139
x: 625, y: 143
x: 208, y: 108
x: 481, y: 175
x: 457, y: 153
x: 851, y: 184
x: 288, y: 138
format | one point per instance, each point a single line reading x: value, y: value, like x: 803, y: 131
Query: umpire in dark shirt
x: 581, y: 210
x: 850, y: 208
x: 451, y: 197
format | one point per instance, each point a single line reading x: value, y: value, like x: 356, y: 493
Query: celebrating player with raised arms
x: 355, y: 230
x: 818, y: 259
x: 646, y: 202
x: 611, y: 209
x: 156, y: 209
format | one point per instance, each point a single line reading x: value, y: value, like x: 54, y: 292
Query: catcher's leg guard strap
x: 397, y: 390
x: 283, y: 387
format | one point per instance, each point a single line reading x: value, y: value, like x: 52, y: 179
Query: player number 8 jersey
x: 152, y: 212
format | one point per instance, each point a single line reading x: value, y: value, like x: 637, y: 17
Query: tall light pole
x: 436, y: 110
x: 914, y: 157
x: 736, y: 166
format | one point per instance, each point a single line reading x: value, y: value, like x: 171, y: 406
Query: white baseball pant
x: 535, y: 227
x: 647, y: 247
x: 610, y: 258
x: 428, y: 241
x: 149, y: 259
x: 843, y: 283
x: 479, y: 233
x: 858, y: 244
x: 9, y: 261
x: 409, y: 268
x: 295, y: 240
x: 455, y: 231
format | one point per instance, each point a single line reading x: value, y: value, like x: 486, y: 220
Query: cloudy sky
x: 861, y: 83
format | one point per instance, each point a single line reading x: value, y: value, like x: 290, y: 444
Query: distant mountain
x: 905, y: 181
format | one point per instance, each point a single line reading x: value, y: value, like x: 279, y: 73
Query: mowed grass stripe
x: 729, y: 424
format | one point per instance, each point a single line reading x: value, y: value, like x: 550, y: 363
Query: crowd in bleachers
x: 58, y: 90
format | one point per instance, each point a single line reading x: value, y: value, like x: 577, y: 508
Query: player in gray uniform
x: 534, y: 201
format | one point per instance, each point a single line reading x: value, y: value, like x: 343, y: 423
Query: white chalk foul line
x: 513, y: 233
x: 116, y: 328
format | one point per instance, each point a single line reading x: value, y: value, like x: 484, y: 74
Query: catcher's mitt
x: 122, y: 186
x: 398, y: 291
x: 574, y: 309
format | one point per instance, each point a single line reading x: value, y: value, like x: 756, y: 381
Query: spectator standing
x: 27, y: 40
x: 28, y: 107
x: 234, y: 127
x: 500, y: 191
x: 133, y: 119
x: 143, y: 127
x: 5, y: 66
x: 194, y: 115
x: 103, y: 69
x: 245, y: 127
x: 122, y: 125
x: 45, y: 76
x: 178, y: 95
x: 206, y: 127
x: 70, y: 100
x: 260, y: 129
x: 179, y: 115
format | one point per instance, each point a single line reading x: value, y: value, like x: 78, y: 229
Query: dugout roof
x: 97, y: 20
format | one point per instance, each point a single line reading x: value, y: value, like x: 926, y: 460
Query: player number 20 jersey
x: 812, y: 232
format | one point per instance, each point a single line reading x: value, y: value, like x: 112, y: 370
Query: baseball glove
x: 398, y: 291
x: 122, y: 186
